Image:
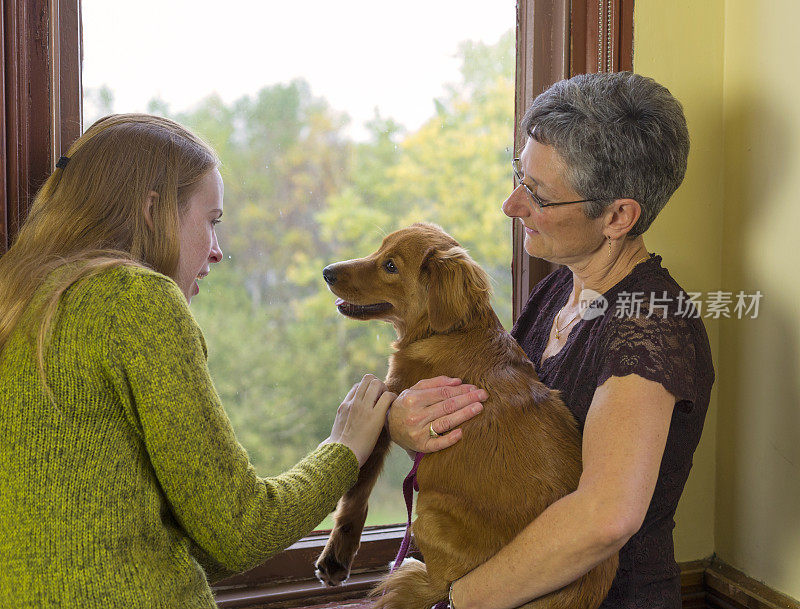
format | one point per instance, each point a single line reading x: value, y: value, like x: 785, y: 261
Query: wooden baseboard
x: 712, y: 584
x: 693, y: 590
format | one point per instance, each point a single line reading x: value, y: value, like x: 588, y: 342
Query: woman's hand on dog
x: 441, y: 403
x: 361, y: 417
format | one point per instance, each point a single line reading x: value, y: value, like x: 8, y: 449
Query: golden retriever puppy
x: 519, y: 456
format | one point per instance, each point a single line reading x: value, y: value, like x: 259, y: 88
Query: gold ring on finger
x: 431, y: 432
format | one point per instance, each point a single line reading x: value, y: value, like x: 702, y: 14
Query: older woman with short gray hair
x: 619, y: 135
x: 614, y: 332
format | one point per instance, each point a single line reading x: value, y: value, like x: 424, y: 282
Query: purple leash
x: 409, y: 486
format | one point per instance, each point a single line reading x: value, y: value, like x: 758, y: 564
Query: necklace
x: 574, y: 317
x: 569, y: 323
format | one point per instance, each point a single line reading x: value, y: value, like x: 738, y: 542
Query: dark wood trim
x: 41, y: 99
x: 625, y: 27
x: 288, y: 578
x: 4, y: 209
x: 297, y: 594
x: 693, y: 593
x: 67, y: 73
x: 542, y: 59
x: 729, y: 588
x: 27, y: 86
x: 713, y: 584
x: 601, y: 36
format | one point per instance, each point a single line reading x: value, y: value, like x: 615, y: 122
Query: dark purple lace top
x: 670, y: 347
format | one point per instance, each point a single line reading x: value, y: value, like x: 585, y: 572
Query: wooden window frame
x: 41, y: 74
x: 40, y: 69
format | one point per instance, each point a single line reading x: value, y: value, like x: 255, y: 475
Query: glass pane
x: 336, y: 123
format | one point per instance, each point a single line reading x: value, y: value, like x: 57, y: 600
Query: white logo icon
x: 591, y: 304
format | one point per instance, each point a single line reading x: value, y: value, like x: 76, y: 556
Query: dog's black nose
x: 329, y: 275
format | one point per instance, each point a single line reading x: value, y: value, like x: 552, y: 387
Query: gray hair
x: 622, y: 135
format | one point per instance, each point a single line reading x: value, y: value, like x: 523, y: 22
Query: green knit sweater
x: 114, y: 498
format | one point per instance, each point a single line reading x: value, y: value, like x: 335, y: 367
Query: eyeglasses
x: 517, y: 166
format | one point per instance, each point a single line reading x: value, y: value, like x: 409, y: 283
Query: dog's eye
x: 389, y: 267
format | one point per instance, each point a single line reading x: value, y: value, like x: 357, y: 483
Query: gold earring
x: 610, y: 252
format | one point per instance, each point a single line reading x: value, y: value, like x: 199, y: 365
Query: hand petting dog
x: 433, y: 406
x: 361, y: 416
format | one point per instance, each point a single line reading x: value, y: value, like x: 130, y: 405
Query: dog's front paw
x: 332, y: 571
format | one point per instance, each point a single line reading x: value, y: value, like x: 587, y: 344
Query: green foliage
x: 300, y: 195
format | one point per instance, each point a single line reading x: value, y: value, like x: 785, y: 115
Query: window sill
x: 287, y: 580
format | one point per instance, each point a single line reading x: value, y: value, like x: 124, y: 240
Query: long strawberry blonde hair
x: 89, y: 214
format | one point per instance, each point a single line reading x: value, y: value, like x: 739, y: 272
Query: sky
x: 358, y: 54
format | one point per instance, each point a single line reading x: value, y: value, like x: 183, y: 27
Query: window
x: 41, y: 53
x: 322, y: 155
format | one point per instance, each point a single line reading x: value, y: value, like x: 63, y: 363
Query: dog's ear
x: 457, y: 287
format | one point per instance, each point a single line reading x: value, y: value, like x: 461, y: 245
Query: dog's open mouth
x: 354, y: 310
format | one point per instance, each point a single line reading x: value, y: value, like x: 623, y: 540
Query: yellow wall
x: 686, y: 55
x: 758, y: 458
x: 734, y: 224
